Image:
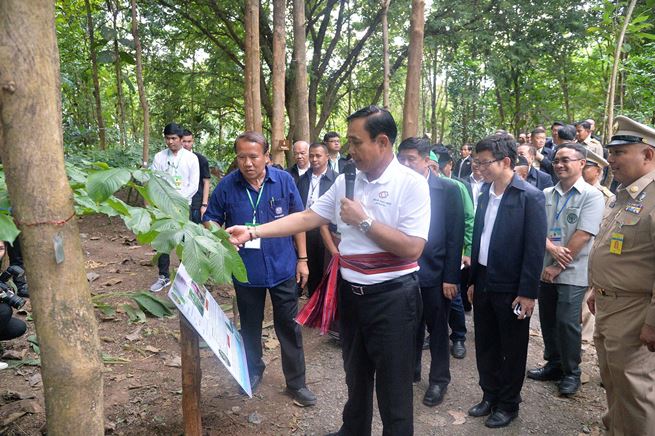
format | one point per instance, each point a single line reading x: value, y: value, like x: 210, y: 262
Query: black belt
x: 377, y: 288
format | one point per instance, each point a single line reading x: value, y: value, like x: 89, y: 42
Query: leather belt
x: 377, y: 288
x: 609, y: 293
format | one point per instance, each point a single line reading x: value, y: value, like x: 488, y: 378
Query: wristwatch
x: 365, y: 225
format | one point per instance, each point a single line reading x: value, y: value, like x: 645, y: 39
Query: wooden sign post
x: 191, y: 377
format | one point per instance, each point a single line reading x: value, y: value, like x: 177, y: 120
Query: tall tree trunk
x: 567, y: 101
x: 434, y: 98
x: 252, y: 99
x: 609, y: 119
x: 414, y: 61
x: 279, y: 68
x: 139, y: 81
x: 501, y: 106
x: 119, y: 78
x: 385, y: 53
x: 443, y: 113
x: 96, y: 82
x: 300, y: 56
x: 30, y: 101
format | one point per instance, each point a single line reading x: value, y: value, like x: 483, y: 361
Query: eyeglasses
x: 486, y: 163
x: 564, y: 161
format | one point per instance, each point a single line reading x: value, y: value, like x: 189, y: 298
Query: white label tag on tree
x: 58, y: 240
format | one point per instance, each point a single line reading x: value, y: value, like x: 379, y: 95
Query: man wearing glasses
x: 333, y: 142
x: 574, y: 209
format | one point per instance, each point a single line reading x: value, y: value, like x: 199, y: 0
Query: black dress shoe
x: 545, y: 374
x: 434, y: 395
x: 500, y: 418
x: 458, y: 350
x: 302, y: 397
x: 569, y: 385
x: 483, y: 408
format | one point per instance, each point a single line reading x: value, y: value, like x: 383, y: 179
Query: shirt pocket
x: 571, y: 216
x: 633, y: 233
x: 279, y: 207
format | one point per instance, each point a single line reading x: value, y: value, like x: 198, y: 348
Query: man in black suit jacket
x: 301, y: 156
x: 507, y: 258
x: 537, y: 178
x: 311, y: 186
x: 463, y: 166
x: 333, y: 143
x: 439, y: 272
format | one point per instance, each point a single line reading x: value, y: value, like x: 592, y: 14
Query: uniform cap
x: 628, y: 131
x: 594, y: 160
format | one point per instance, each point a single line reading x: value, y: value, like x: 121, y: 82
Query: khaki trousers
x: 627, y: 368
x: 587, y: 320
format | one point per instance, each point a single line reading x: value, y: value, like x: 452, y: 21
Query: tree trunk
x: 279, y: 68
x: 435, y: 97
x: 300, y: 56
x: 30, y: 101
x: 567, y: 100
x: 119, y: 79
x: 445, y: 110
x: 501, y: 107
x: 609, y: 119
x: 385, y: 53
x: 142, y: 90
x: 96, y: 81
x: 252, y: 98
x: 414, y: 61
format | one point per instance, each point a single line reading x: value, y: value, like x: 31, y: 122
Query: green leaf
x: 106, y: 309
x: 147, y: 237
x: 167, y: 240
x: 166, y: 198
x: 118, y: 205
x: 106, y: 57
x: 8, y: 229
x: 141, y: 176
x: 113, y: 360
x: 128, y: 59
x: 134, y: 314
x: 102, y: 184
x: 196, y: 263
x: 138, y: 220
x: 129, y: 43
x: 152, y: 305
x: 108, y: 33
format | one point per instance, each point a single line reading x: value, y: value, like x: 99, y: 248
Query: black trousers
x: 378, y: 333
x: 15, y: 254
x: 436, y: 308
x: 501, y: 346
x: 164, y: 260
x: 315, y: 259
x: 285, y: 307
x: 10, y: 328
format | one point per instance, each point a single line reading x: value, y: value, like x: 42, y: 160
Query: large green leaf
x: 195, y: 261
x: 134, y: 314
x: 118, y: 205
x: 8, y: 229
x: 152, y: 305
x: 138, y: 220
x: 102, y: 184
x: 165, y: 197
x: 167, y: 240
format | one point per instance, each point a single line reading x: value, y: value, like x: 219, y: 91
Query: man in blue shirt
x: 257, y: 194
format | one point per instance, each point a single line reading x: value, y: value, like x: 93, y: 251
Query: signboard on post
x: 216, y: 329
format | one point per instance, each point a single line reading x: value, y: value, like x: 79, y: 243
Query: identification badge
x: 616, y: 243
x: 634, y: 208
x: 178, y: 181
x: 255, y: 244
x: 555, y: 235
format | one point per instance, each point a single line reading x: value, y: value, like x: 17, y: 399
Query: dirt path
x: 143, y: 395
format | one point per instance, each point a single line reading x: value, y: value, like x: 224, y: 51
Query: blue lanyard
x: 255, y: 205
x: 568, y: 197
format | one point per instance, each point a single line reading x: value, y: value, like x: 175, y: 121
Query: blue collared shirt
x: 229, y: 204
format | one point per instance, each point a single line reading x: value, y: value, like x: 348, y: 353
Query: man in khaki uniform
x: 583, y: 135
x: 592, y: 173
x: 622, y: 273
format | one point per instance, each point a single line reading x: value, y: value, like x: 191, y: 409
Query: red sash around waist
x: 321, y: 309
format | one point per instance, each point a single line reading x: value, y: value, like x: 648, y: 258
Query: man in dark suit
x: 508, y: 252
x: 537, y: 178
x: 333, y: 143
x: 463, y: 166
x: 439, y: 266
x: 301, y: 156
x: 311, y: 186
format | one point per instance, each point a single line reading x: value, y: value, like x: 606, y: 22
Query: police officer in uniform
x: 622, y: 273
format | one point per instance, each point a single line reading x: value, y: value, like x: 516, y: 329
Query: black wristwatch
x: 365, y: 225
x: 204, y: 205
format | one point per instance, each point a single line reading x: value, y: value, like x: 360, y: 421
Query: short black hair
x: 575, y: 146
x: 319, y: 145
x: 186, y: 132
x: 378, y: 121
x: 566, y: 132
x: 173, y: 129
x: 251, y: 136
x: 330, y: 135
x: 585, y: 124
x: 538, y: 130
x: 421, y: 145
x: 556, y: 123
x: 500, y: 146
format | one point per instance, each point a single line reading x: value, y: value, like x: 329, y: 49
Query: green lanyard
x: 255, y: 205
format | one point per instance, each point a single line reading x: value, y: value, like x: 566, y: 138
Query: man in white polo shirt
x: 383, y: 232
x: 182, y: 165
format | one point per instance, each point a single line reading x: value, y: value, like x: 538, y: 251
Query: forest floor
x: 142, y: 395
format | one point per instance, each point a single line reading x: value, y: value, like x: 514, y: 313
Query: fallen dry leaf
x: 135, y: 335
x: 151, y: 349
x: 174, y: 361
x: 35, y: 380
x: 112, y: 282
x: 460, y: 417
x: 92, y: 276
x: 14, y: 354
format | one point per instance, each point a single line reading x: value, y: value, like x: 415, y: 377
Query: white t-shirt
x: 399, y: 198
x: 183, y: 167
x: 489, y: 221
x: 314, y: 188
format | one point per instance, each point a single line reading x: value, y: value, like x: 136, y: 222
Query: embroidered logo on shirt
x: 383, y: 194
x: 571, y: 218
